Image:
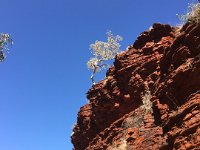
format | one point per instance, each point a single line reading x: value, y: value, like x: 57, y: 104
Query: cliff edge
x: 150, y: 98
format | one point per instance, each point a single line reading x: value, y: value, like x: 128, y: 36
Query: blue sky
x: 44, y: 78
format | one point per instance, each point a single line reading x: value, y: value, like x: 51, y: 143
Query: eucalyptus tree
x: 5, y: 42
x: 102, y: 52
x: 192, y: 15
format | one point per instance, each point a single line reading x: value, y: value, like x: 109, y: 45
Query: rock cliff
x: 150, y: 98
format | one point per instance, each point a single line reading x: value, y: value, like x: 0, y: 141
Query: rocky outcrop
x: 150, y: 98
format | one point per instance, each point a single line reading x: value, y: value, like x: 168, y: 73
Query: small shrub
x: 147, y: 104
x: 5, y: 41
x: 102, y: 52
x: 192, y: 15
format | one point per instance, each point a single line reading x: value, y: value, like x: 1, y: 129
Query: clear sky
x: 44, y: 79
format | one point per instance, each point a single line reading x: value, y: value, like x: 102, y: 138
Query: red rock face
x: 150, y: 98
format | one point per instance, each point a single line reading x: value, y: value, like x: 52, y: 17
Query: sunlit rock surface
x: 150, y: 98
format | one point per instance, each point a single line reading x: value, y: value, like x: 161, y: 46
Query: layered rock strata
x: 150, y: 98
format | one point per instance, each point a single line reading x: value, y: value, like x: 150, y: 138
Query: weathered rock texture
x: 150, y: 98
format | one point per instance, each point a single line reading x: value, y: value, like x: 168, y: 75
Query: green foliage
x: 5, y: 42
x: 192, y: 15
x: 102, y: 52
